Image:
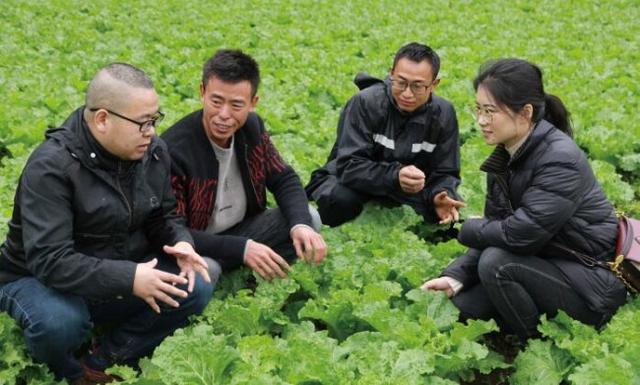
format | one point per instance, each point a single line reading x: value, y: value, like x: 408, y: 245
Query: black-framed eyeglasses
x: 143, y: 126
x: 417, y: 88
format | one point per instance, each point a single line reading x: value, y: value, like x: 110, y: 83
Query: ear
x: 202, y: 92
x: 527, y: 111
x: 254, y: 102
x: 100, y: 121
x: 435, y: 83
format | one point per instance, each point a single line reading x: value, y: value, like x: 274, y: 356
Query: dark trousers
x: 515, y: 290
x: 338, y: 203
x: 270, y: 228
x: 56, y: 324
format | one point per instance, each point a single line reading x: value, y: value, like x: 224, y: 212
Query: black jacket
x: 375, y: 139
x: 82, y: 219
x: 194, y: 170
x: 541, y: 202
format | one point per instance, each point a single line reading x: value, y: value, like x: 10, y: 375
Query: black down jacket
x: 82, y: 219
x: 542, y: 201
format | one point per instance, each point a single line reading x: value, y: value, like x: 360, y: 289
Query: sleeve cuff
x: 455, y: 285
x: 300, y: 225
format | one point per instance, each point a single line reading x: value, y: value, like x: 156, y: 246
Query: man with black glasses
x: 94, y: 237
x: 396, y: 142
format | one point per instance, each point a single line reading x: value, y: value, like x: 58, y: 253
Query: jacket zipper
x: 124, y: 197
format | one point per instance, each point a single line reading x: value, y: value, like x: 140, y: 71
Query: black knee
x: 341, y: 205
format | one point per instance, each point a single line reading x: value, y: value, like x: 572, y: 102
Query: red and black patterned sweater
x: 194, y: 179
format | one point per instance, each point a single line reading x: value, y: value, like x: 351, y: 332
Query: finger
x: 171, y: 278
x: 152, y: 303
x: 309, y: 250
x: 275, y: 267
x: 456, y: 215
x: 172, y: 290
x: 441, y: 195
x: 192, y: 280
x: 260, y: 272
x: 446, y: 220
x: 162, y: 296
x: 321, y: 249
x: 280, y: 261
x: 204, y: 273
x: 269, y: 273
x: 298, y: 248
x: 152, y: 263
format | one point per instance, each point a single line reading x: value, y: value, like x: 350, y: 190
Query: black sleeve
x: 356, y: 165
x: 464, y: 268
x: 445, y: 170
x: 228, y: 250
x: 285, y: 185
x: 547, y: 204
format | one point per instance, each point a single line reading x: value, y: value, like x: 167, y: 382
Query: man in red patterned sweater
x: 222, y: 164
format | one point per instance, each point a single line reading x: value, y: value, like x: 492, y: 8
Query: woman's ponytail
x: 556, y: 113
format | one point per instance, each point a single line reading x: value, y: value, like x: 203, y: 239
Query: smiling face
x: 498, y: 124
x: 408, y: 72
x: 226, y: 107
x: 121, y: 137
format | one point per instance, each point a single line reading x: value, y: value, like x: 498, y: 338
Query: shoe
x: 95, y: 376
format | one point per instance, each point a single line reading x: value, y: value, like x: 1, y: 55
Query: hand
x: 152, y: 284
x: 309, y: 245
x: 189, y: 262
x: 439, y: 284
x: 411, y: 179
x: 447, y: 208
x: 264, y: 261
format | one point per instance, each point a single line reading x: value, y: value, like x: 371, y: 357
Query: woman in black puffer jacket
x: 543, y: 202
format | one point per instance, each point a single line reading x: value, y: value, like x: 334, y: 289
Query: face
x: 500, y: 125
x: 406, y: 73
x: 225, y: 108
x: 121, y: 137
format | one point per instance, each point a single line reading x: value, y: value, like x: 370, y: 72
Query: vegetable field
x: 358, y: 318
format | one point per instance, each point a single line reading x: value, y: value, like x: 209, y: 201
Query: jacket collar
x: 500, y: 160
x: 82, y: 145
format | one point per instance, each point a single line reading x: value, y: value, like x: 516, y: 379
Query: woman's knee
x: 491, y: 260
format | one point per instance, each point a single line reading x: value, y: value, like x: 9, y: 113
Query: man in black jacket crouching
x: 94, y: 237
x: 397, y: 142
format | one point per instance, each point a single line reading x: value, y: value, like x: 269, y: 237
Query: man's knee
x: 199, y: 297
x: 340, y: 206
x: 60, y: 327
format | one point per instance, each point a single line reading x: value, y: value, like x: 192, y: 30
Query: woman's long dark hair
x: 515, y: 83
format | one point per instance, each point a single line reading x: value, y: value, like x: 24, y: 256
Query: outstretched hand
x: 189, y: 262
x: 447, y: 208
x: 438, y: 284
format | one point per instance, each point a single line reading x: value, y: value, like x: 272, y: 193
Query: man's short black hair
x: 417, y: 52
x: 233, y: 66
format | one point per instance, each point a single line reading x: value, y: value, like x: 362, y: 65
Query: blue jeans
x: 56, y: 324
